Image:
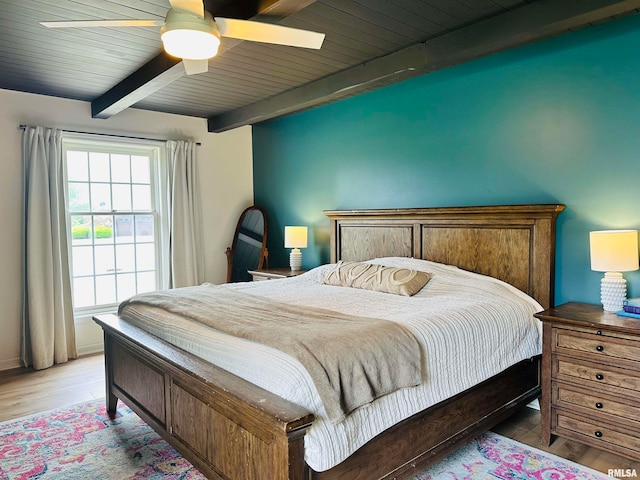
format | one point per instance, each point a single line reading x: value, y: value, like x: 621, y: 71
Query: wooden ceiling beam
x: 163, y: 69
x: 527, y: 24
x: 160, y: 71
x: 264, y: 10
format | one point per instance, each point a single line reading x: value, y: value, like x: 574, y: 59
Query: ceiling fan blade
x: 192, y: 67
x: 193, y: 6
x: 103, y: 23
x: 268, y: 33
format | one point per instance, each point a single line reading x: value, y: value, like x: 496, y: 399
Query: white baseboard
x: 535, y: 404
x: 90, y: 349
x: 10, y: 364
x: 89, y: 337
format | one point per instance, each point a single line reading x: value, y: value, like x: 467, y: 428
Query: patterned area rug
x: 492, y: 456
x: 81, y: 442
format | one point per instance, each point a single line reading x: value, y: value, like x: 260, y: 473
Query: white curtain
x: 185, y: 244
x: 48, y: 334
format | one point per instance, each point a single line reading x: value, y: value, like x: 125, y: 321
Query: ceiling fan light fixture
x: 188, y: 36
x: 190, y: 44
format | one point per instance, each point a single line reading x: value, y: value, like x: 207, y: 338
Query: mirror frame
x: 230, y: 252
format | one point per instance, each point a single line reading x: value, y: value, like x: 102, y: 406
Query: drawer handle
x: 599, y: 348
x: 598, y: 433
x: 598, y: 332
x: 598, y: 405
x: 599, y: 376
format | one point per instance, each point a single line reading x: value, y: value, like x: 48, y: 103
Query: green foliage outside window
x: 83, y: 232
x: 103, y: 231
x: 80, y: 232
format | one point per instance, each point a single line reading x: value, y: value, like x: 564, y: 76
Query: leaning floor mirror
x: 249, y: 248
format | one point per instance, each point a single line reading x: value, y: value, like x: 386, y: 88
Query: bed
x: 231, y: 428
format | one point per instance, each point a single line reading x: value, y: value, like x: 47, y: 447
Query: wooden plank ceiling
x: 369, y: 44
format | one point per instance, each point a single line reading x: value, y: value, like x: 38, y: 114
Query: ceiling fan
x: 192, y: 34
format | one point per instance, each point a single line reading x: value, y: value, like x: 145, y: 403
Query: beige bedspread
x: 352, y: 360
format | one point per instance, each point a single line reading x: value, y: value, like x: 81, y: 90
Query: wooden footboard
x: 227, y: 427
x: 231, y: 429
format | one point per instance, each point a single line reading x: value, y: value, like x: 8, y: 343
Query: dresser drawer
x: 600, y: 435
x: 597, y: 347
x: 596, y: 376
x: 595, y: 403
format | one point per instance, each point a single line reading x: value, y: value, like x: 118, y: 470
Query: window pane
x: 82, y: 259
x: 77, y: 166
x: 146, y: 256
x: 113, y: 251
x: 106, y: 289
x: 105, y: 262
x: 144, y: 228
x: 125, y: 258
x: 103, y: 229
x: 124, y: 228
x: 100, y: 197
x: 120, y: 168
x: 78, y: 197
x: 146, y: 282
x: 140, y: 172
x: 141, y: 197
x: 121, y: 197
x: 80, y: 230
x: 126, y: 286
x: 83, y: 292
x: 99, y: 167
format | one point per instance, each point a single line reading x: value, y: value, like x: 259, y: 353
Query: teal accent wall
x: 553, y: 122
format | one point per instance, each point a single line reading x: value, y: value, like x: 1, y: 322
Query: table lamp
x: 612, y: 252
x: 295, y: 238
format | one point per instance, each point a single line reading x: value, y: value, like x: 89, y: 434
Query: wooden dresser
x: 591, y: 378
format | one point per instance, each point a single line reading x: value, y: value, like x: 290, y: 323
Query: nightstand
x: 591, y: 378
x: 274, y: 273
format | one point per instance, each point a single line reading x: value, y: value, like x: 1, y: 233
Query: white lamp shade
x: 614, y: 250
x: 295, y: 237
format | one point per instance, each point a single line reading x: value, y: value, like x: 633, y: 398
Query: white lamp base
x: 295, y: 260
x: 613, y: 291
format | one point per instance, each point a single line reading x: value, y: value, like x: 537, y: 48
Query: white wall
x: 226, y: 181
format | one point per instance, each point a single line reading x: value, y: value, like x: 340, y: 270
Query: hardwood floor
x: 24, y: 392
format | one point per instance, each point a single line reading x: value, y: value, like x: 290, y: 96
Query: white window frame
x: 159, y: 196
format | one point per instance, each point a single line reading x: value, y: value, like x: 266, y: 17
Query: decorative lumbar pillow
x: 368, y: 276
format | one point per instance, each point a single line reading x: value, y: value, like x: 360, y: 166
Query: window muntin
x: 114, y: 217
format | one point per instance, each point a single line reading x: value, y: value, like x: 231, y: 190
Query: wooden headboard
x: 515, y: 243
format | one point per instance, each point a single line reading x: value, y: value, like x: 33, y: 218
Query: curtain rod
x: 22, y: 127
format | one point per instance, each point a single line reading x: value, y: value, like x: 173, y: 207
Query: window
x: 115, y: 220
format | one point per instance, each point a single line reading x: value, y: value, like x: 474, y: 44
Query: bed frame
x: 231, y: 429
